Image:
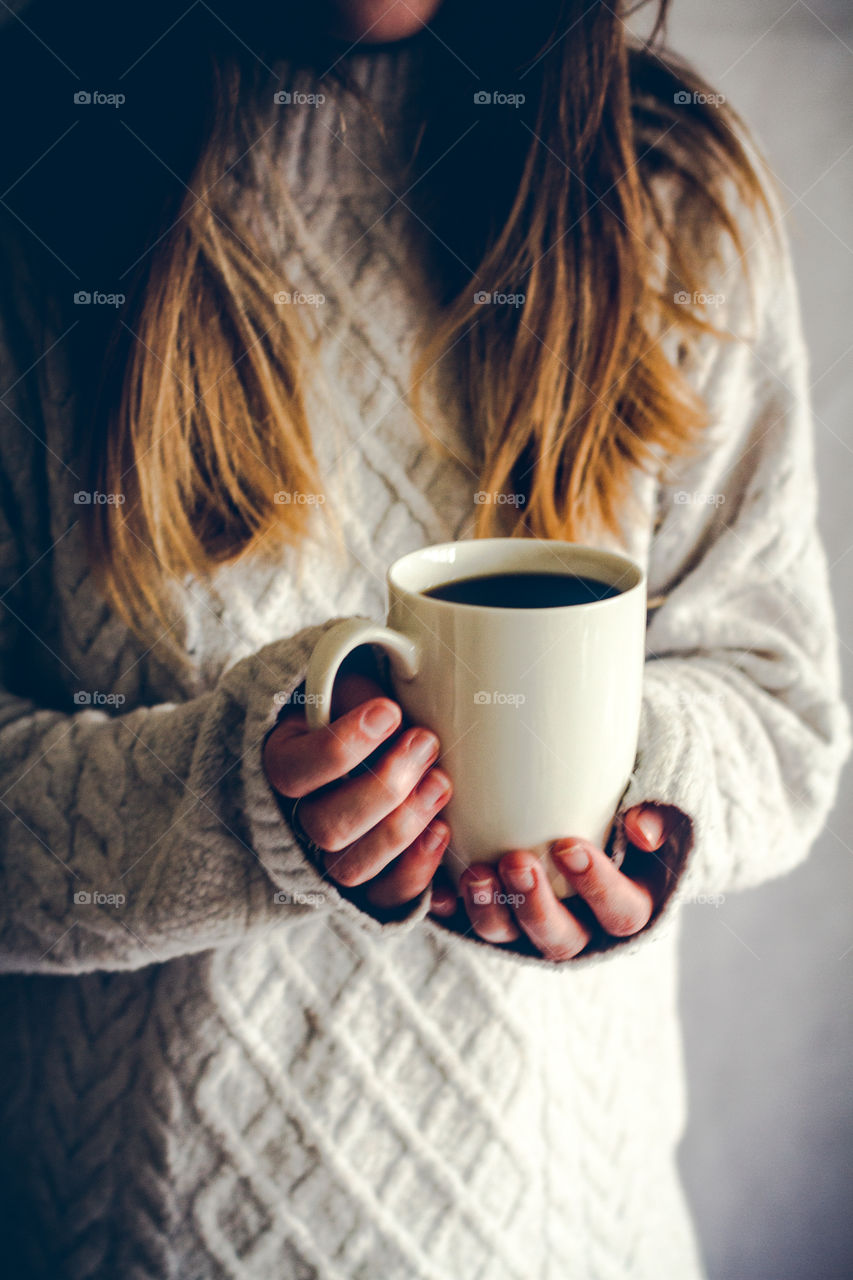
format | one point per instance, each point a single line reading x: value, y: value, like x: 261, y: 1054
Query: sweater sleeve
x: 743, y: 728
x: 135, y: 838
x: 128, y: 839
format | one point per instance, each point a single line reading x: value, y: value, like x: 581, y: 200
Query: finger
x: 648, y: 826
x: 298, y: 760
x: 491, y: 919
x: 622, y: 905
x: 386, y: 839
x: 351, y: 688
x: 336, y: 818
x: 547, y: 923
x: 445, y: 899
x: 410, y: 873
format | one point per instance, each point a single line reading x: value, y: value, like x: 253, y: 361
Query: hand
x: 620, y: 900
x: 378, y: 829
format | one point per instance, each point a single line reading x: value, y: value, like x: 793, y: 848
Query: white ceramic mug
x: 537, y: 709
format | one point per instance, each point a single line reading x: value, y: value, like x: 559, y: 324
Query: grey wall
x: 766, y: 991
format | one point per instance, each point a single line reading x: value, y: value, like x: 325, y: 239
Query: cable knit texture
x: 218, y: 1066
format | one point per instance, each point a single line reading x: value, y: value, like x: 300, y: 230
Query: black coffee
x: 523, y: 590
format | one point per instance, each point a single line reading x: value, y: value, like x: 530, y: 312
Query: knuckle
x: 535, y: 916
x: 397, y: 776
x: 390, y: 795
x: 404, y: 825
x: 325, y: 829
x: 621, y: 924
x: 559, y: 952
x: 291, y: 788
x: 434, y: 790
x: 276, y: 767
x: 345, y: 870
x: 339, y: 750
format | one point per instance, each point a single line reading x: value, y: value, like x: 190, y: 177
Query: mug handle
x: 335, y: 645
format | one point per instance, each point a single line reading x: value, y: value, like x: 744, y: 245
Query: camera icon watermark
x: 683, y: 498
x: 297, y: 299
x: 94, y: 498
x: 94, y: 898
x: 483, y: 297
x: 485, y: 897
x: 282, y: 897
x: 483, y: 498
x: 286, y: 98
x: 288, y: 497
x: 683, y: 98
x: 85, y: 98
x: 706, y: 899
x: 497, y: 698
x: 96, y: 298
x: 486, y: 98
x: 299, y: 698
x: 698, y: 298
x: 95, y: 698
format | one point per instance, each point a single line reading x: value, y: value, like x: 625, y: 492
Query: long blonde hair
x: 202, y: 413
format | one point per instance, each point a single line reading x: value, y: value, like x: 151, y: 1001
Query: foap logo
x: 698, y: 299
x: 683, y: 498
x: 299, y: 698
x: 484, y: 897
x: 94, y: 498
x: 497, y: 698
x: 95, y: 898
x: 285, y: 497
x: 94, y: 698
x: 483, y: 498
x: 297, y: 299
x: 94, y: 98
x: 683, y: 99
x: 483, y: 298
x: 311, y: 899
x: 686, y: 699
x: 494, y: 98
x: 285, y: 98
x: 96, y: 298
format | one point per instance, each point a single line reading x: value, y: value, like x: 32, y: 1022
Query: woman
x: 246, y: 364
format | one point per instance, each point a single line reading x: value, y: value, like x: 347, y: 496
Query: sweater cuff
x: 268, y: 679
x: 672, y: 768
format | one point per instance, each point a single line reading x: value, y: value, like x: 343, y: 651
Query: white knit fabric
x: 235, y: 1072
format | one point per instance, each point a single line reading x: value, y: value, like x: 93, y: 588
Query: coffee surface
x: 523, y: 590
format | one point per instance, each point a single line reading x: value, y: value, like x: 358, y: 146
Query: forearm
x: 134, y: 838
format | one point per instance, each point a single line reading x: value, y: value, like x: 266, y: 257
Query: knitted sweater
x: 216, y: 1064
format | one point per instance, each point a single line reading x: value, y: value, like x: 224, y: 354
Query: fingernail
x: 434, y: 836
x: 574, y: 857
x: 424, y: 746
x: 433, y: 787
x: 479, y: 892
x: 521, y: 878
x: 443, y: 903
x: 378, y: 719
x: 651, y: 826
